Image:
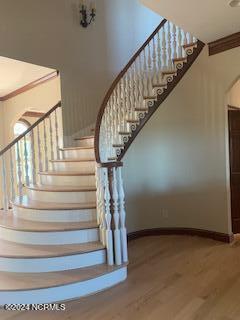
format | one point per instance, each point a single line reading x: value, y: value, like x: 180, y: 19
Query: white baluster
x: 179, y: 42
x: 45, y: 145
x: 27, y: 179
x: 4, y: 185
x: 140, y: 80
x: 33, y: 160
x: 108, y: 219
x: 40, y: 163
x: 150, y: 75
x: 169, y: 46
x: 185, y: 40
x: 154, y: 59
x: 57, y: 135
x: 145, y: 74
x: 19, y: 172
x: 174, y: 40
x: 100, y: 206
x: 51, y: 138
x: 12, y: 176
x: 122, y: 216
x: 117, y: 236
x: 164, y: 47
x: 159, y: 56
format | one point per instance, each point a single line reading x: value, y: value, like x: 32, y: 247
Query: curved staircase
x: 62, y: 223
x: 50, y: 249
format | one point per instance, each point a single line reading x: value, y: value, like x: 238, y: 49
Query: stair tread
x: 9, y: 221
x: 67, y: 173
x: 85, y: 138
x: 10, y: 249
x: 74, y: 160
x: 75, y: 148
x: 27, y: 281
x: 28, y: 203
x: 61, y: 188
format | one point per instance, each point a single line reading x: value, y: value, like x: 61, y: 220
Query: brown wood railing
x: 114, y: 84
x: 46, y: 115
x: 140, y: 88
x: 28, y: 154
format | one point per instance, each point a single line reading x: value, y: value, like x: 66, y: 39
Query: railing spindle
x: 57, y: 135
x: 4, y: 185
x: 27, y: 179
x: 45, y: 145
x: 12, y: 176
x: 19, y: 172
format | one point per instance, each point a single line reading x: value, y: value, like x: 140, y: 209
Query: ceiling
x: 15, y: 74
x: 208, y: 20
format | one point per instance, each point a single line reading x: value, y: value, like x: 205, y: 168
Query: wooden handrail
x: 30, y: 129
x: 113, y: 86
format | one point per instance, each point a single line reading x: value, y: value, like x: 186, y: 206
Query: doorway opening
x: 234, y: 153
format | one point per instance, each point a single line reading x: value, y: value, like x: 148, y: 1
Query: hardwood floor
x: 170, y: 278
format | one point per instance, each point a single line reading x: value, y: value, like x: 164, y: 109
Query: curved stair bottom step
x: 50, y: 237
x: 53, y: 264
x: 69, y: 179
x: 62, y: 194
x: 55, y: 216
x: 67, y: 291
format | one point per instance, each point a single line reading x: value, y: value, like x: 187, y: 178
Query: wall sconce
x: 87, y: 15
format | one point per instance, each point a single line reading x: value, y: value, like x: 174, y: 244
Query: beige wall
x: 234, y: 95
x: 41, y: 98
x: 48, y: 33
x: 1, y: 126
x: 176, y: 171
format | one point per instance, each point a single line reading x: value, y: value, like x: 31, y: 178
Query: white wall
x: 206, y: 20
x: 1, y: 126
x: 176, y: 171
x: 48, y: 33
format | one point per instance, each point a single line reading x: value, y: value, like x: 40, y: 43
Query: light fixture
x: 234, y: 3
x: 87, y: 13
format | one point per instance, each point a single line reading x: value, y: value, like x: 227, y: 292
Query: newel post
x: 111, y: 212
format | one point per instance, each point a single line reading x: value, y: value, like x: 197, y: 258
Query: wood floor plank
x: 169, y: 278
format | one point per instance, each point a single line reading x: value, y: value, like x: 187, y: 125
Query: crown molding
x: 30, y: 85
x: 223, y: 44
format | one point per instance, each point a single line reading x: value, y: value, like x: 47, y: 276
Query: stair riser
x: 85, y: 143
x: 51, y: 237
x: 78, y: 154
x: 55, y: 215
x: 68, y: 181
x: 62, y: 197
x: 80, y: 167
x: 65, y: 292
x: 63, y: 263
